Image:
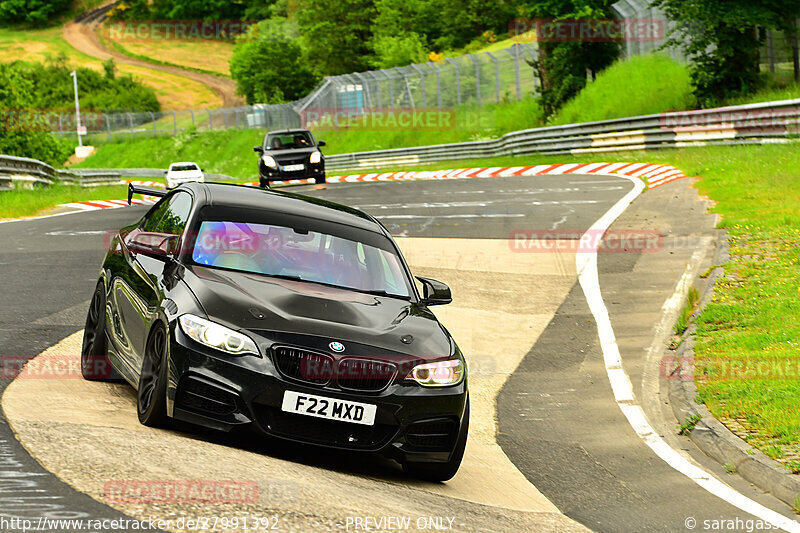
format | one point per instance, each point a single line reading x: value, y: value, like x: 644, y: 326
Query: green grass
x: 231, y: 151
x: 25, y: 202
x: 687, y: 311
x: 641, y: 85
x: 150, y: 59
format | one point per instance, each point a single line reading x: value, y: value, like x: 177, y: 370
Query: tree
x: 33, y: 12
x: 22, y: 133
x: 562, y: 65
x: 440, y: 24
x: 335, y: 36
x: 268, y: 64
x: 398, y: 50
x: 110, y: 68
x: 722, y: 41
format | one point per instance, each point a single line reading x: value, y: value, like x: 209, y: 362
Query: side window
x: 171, y: 215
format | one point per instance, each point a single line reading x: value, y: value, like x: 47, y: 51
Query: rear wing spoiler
x: 147, y: 191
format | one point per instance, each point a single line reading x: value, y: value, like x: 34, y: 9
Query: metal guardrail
x: 26, y: 172
x: 767, y: 122
x: 746, y: 124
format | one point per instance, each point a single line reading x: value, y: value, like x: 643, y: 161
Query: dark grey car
x: 290, y: 155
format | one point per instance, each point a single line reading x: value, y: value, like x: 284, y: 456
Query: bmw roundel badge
x: 336, y: 346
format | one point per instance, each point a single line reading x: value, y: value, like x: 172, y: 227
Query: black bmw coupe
x: 232, y: 306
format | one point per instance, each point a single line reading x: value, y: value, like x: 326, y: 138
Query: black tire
x: 95, y: 365
x: 151, y: 396
x: 264, y: 184
x: 319, y: 180
x: 443, y: 471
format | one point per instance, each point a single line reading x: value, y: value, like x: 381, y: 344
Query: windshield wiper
x: 379, y: 292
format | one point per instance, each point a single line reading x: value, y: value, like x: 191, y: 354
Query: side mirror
x: 259, y: 149
x: 321, y: 143
x: 202, y: 170
x: 155, y: 244
x: 435, y: 292
x: 166, y: 172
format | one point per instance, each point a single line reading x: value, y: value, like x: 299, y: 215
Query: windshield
x: 290, y: 140
x: 308, y: 256
x: 184, y: 167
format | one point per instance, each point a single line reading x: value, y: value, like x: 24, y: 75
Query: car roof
x: 184, y: 163
x: 284, y: 132
x: 248, y: 197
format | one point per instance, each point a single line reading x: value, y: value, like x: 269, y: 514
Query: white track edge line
x: 623, y: 389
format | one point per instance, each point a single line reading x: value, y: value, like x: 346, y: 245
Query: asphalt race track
x: 546, y: 422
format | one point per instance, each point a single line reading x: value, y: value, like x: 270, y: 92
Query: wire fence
x: 472, y: 80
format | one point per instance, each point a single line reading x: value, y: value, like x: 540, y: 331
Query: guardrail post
x: 153, y: 118
x: 458, y: 80
x: 391, y: 90
x: 130, y: 123
x: 408, y: 88
x: 210, y: 124
x: 378, y: 85
x: 514, y: 51
x: 477, y: 78
x: 191, y: 112
x: 174, y: 123
x: 422, y: 83
x: 108, y: 127
x: 496, y: 75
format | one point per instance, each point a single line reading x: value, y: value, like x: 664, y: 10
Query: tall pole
x: 74, y: 75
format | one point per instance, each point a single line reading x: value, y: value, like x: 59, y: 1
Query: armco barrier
x: 26, y: 172
x: 766, y: 122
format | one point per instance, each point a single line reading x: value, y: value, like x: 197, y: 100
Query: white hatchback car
x: 182, y: 173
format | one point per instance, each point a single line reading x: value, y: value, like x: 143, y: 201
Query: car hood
x: 263, y: 305
x: 185, y: 173
x: 291, y: 153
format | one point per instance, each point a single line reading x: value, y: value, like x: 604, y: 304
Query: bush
x: 32, y: 12
x: 268, y: 66
x: 28, y: 139
x: 52, y: 88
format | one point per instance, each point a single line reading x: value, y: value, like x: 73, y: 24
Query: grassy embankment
x: 24, y: 202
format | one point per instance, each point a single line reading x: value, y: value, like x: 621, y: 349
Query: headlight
x: 315, y: 158
x: 217, y: 336
x: 441, y: 374
x: 269, y: 161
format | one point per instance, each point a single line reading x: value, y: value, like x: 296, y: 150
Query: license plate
x: 293, y: 168
x: 330, y: 408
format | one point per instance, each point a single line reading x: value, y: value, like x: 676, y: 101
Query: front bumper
x: 412, y: 423
x: 310, y: 171
x: 172, y: 183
